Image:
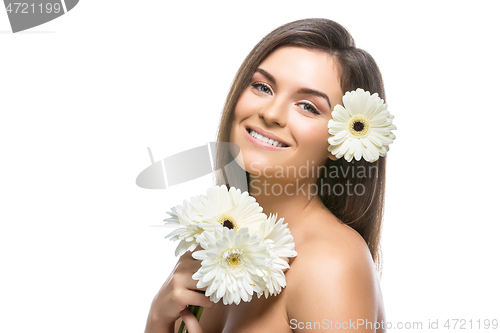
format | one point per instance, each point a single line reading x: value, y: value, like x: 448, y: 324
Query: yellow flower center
x: 232, y: 259
x: 228, y: 222
x: 359, y: 126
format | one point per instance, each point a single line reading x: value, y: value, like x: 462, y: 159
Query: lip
x: 266, y: 134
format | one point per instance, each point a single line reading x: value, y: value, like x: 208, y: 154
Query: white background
x: 83, y: 96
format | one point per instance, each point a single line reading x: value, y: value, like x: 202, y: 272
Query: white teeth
x: 266, y: 139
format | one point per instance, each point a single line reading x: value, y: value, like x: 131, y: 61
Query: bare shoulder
x: 333, y: 278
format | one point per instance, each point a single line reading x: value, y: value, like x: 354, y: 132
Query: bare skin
x: 332, y: 281
x: 332, y: 278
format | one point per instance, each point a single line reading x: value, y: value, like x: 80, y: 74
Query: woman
x: 285, y: 90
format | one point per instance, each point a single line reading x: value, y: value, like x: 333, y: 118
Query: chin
x: 254, y: 163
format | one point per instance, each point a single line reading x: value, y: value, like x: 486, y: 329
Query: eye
x: 309, y: 108
x: 262, y: 87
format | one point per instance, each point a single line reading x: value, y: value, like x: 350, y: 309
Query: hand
x: 178, y: 291
x: 189, y: 319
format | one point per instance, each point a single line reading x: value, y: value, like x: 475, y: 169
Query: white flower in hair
x: 360, y: 128
x: 230, y: 261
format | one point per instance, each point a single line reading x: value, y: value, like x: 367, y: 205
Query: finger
x: 186, y: 281
x: 188, y: 263
x: 196, y: 298
x: 199, y: 290
x: 192, y: 324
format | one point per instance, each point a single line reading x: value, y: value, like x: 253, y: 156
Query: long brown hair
x: 363, y: 212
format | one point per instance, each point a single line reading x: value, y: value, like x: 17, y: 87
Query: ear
x: 332, y: 157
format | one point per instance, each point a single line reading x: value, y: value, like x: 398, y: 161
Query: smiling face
x: 281, y: 118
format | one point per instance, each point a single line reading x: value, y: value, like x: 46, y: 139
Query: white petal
x: 340, y: 114
x: 358, y: 150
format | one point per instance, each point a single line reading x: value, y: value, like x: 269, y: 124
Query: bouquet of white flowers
x: 243, y: 250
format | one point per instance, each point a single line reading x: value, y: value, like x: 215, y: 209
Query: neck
x: 289, y: 198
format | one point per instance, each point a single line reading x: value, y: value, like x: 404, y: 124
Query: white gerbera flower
x: 279, y: 243
x: 229, y: 264
x: 188, y: 218
x: 231, y: 209
x: 360, y: 128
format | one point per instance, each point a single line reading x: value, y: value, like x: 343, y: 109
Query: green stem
x: 197, y: 311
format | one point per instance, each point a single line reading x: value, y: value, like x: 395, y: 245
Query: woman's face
x: 289, y: 100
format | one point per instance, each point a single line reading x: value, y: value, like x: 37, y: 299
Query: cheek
x: 244, y: 105
x: 313, y: 138
x: 313, y: 132
x: 240, y: 113
x: 321, y: 137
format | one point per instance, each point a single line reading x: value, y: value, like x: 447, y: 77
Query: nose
x: 274, y: 112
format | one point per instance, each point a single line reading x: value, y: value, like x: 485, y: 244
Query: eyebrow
x: 301, y: 90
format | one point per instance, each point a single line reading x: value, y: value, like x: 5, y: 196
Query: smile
x: 264, y: 140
